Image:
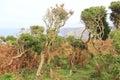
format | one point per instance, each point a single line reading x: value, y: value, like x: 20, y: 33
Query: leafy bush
x: 58, y: 41
x: 8, y: 76
x: 10, y: 38
x: 115, y: 70
x: 36, y: 30
x: 115, y: 35
x: 33, y: 42
x: 76, y: 42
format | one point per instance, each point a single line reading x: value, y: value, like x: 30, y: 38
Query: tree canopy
x: 95, y: 21
x: 115, y: 15
x: 36, y: 30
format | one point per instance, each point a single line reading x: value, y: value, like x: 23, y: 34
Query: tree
x: 115, y: 15
x: 95, y: 23
x: 27, y: 43
x: 54, y: 19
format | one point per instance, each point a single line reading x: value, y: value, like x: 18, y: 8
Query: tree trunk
x: 40, y: 67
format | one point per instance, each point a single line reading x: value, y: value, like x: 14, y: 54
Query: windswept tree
x: 115, y: 15
x: 27, y: 43
x: 95, y: 23
x: 54, y: 19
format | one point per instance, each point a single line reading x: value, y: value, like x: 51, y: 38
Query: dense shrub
x: 115, y: 35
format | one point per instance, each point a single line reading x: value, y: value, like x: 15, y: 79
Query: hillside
x: 76, y: 32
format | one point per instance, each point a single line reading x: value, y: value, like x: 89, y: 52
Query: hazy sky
x: 15, y: 14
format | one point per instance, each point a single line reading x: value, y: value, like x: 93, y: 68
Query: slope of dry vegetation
x: 7, y: 52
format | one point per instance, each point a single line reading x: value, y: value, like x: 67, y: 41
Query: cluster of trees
x: 55, y: 18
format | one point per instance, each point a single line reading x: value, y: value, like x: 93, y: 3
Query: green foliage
x: 27, y: 74
x: 30, y: 41
x: 115, y: 15
x: 8, y: 76
x: 115, y: 69
x: 2, y: 39
x: 95, y: 21
x: 76, y: 43
x: 115, y: 35
x: 106, y: 29
x: 71, y: 39
x: 38, y: 48
x: 93, y: 12
x: 58, y: 41
x: 115, y: 6
x: 10, y: 38
x: 27, y: 39
x: 36, y: 30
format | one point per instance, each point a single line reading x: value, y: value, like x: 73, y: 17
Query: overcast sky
x: 15, y: 14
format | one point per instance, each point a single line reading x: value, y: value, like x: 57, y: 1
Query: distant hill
x: 65, y: 32
x: 76, y: 32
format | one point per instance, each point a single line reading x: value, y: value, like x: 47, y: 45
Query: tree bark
x: 40, y: 67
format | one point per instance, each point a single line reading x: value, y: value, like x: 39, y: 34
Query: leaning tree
x: 95, y: 22
x: 54, y: 19
x: 115, y: 15
x: 94, y: 19
x: 28, y: 42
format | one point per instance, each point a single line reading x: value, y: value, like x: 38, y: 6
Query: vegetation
x: 95, y: 21
x: 33, y: 55
x: 115, y: 35
x: 115, y: 15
